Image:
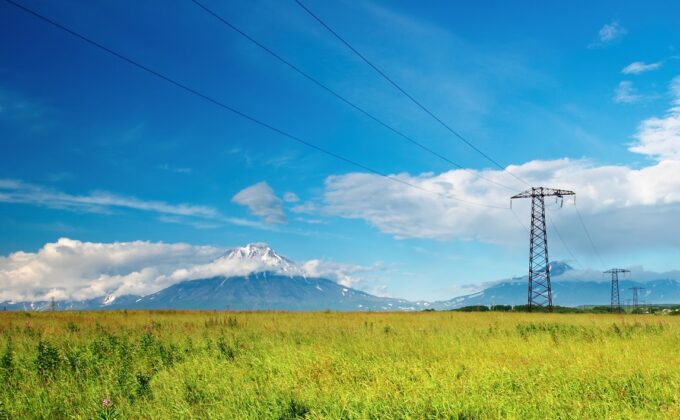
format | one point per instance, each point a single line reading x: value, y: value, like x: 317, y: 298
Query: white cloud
x: 290, y: 197
x: 16, y: 191
x: 602, y: 191
x: 262, y: 202
x: 82, y: 270
x: 308, y: 207
x: 609, y: 33
x: 638, y: 67
x: 660, y: 137
x: 625, y: 93
x: 345, y: 274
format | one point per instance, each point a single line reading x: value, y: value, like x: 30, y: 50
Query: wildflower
x: 106, y: 402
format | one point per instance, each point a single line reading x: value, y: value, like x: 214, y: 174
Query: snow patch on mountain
x: 265, y: 258
x: 241, y: 261
x: 109, y: 299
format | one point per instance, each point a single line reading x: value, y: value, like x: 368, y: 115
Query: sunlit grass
x: 338, y: 365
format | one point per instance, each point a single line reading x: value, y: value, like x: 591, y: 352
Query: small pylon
x: 635, y: 290
x: 616, y: 298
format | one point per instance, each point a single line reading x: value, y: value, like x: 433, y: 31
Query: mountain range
x: 570, y: 288
x: 265, y: 280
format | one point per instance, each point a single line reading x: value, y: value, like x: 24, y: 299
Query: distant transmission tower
x: 616, y: 299
x: 636, y: 303
x: 540, y: 292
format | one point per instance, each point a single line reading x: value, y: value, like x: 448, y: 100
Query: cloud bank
x: 70, y: 269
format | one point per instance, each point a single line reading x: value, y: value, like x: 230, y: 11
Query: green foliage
x: 47, y: 362
x: 294, y: 409
x: 263, y: 365
x: 7, y: 360
x: 143, y: 385
x: 226, y: 350
x: 474, y: 308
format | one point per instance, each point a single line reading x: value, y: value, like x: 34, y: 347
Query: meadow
x: 265, y: 365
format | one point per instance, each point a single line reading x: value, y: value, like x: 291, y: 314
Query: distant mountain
x: 276, y: 283
x: 104, y: 302
x: 266, y: 290
x: 265, y: 281
x: 570, y: 288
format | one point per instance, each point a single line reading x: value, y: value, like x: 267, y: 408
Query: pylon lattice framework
x: 616, y: 297
x: 540, y: 290
x: 635, y: 290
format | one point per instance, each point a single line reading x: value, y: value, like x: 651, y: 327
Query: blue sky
x: 99, y: 151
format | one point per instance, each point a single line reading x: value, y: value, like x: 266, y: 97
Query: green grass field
x: 338, y: 365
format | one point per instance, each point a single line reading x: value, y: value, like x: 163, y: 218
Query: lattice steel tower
x: 635, y: 290
x: 540, y: 292
x: 616, y: 298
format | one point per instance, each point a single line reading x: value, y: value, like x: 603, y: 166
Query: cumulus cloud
x: 71, y: 269
x: 638, y: 67
x: 290, y: 197
x: 625, y: 93
x: 619, y: 202
x: 262, y: 202
x: 345, y: 274
x: 609, y: 33
x: 660, y: 137
x: 617, y: 199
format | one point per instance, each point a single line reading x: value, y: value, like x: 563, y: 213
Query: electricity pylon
x: 540, y: 292
x: 635, y: 297
x: 616, y: 299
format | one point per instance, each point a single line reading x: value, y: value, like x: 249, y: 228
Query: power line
x: 236, y: 111
x: 436, y: 118
x: 339, y: 96
x: 519, y: 220
x: 559, y: 236
x: 585, y: 229
x: 409, y: 96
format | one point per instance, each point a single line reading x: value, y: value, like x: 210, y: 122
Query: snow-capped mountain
x: 268, y: 291
x: 571, y: 287
x: 255, y: 277
x: 263, y: 258
x: 251, y: 277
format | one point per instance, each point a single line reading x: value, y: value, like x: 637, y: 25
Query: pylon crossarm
x: 543, y: 192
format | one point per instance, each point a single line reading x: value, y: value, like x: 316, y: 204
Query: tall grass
x: 338, y: 365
